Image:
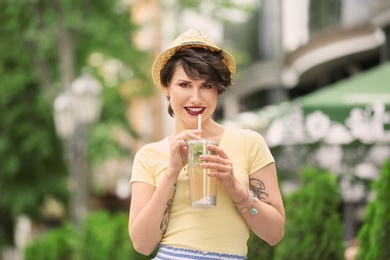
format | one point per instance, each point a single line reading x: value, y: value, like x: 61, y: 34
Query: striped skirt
x: 174, y: 253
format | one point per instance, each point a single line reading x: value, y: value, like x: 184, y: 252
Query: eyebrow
x: 190, y: 80
x: 186, y: 80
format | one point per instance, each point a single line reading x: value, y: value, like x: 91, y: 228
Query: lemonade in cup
x: 203, y: 188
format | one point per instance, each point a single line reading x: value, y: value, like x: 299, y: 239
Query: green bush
x: 314, y: 228
x: 374, y: 236
x: 258, y: 248
x: 57, y: 244
x: 103, y: 236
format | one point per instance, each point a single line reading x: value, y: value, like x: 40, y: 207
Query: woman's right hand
x: 178, y: 148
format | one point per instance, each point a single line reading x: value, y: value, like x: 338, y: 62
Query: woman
x: 192, y: 73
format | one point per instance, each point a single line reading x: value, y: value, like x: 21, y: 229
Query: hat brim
x: 164, y: 56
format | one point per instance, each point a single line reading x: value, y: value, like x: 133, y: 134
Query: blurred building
x: 302, y: 46
x: 306, y: 45
x: 293, y: 48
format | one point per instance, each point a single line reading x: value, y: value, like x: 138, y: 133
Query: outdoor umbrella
x: 344, y: 127
x: 355, y: 109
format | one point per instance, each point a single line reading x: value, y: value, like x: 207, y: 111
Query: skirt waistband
x: 175, y: 253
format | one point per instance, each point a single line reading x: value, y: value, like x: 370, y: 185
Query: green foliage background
x: 314, y: 228
x: 32, y: 166
x: 258, y: 248
x: 104, y: 236
x: 38, y: 38
x: 374, y: 236
x: 57, y: 244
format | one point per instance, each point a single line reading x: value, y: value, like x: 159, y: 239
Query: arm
x: 269, y: 221
x: 149, y: 213
x: 150, y: 206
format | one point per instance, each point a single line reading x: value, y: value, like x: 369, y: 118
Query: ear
x: 166, y: 92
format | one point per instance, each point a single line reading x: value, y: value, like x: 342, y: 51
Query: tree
x: 374, y: 236
x: 45, y: 44
x: 313, y: 224
x: 31, y: 168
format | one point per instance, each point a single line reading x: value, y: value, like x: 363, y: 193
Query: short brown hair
x: 198, y: 63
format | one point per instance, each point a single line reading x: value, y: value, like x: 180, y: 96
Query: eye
x: 184, y: 84
x: 207, y: 86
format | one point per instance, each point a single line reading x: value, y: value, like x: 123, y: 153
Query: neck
x: 210, y: 129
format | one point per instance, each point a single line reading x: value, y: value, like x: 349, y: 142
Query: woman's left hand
x: 222, y: 166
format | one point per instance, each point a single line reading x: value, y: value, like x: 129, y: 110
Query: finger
x: 215, y: 158
x: 188, y: 135
x: 181, y: 137
x: 222, y: 177
x: 220, y: 152
x: 191, y: 133
x: 217, y: 166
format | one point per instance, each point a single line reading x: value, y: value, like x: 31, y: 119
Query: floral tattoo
x: 258, y: 188
x: 165, y: 220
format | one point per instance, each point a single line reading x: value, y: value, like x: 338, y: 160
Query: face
x: 189, y: 98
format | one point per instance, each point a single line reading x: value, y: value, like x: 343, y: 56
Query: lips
x: 194, y: 111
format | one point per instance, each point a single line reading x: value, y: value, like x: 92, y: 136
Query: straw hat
x: 189, y: 39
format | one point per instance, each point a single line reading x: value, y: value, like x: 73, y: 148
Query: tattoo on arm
x: 165, y: 220
x: 258, y: 188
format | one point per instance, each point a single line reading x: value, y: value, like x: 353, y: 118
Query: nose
x: 195, y: 97
x: 195, y: 101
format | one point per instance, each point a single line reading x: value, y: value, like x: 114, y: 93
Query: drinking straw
x: 199, y: 123
x: 205, y: 179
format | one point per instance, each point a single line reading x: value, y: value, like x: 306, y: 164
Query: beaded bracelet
x: 246, y: 197
x: 253, y: 210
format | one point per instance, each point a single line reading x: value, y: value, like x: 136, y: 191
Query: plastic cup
x: 203, y: 189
